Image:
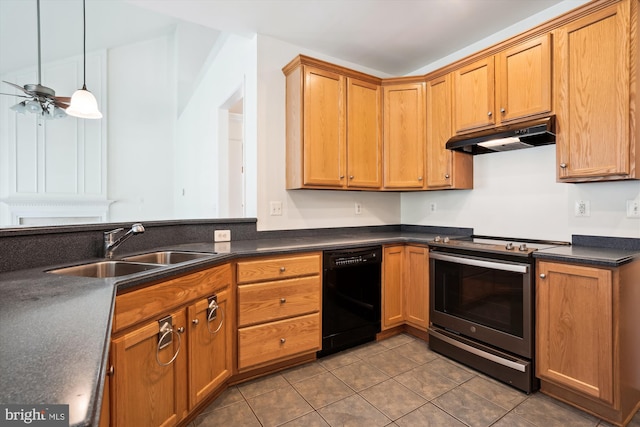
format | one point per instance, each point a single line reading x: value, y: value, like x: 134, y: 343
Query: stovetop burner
x: 499, y: 245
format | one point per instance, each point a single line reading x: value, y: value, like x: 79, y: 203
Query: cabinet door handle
x: 181, y: 330
x: 563, y: 165
x: 283, y: 300
x: 341, y: 176
x: 110, y: 371
x: 446, y: 175
x: 419, y: 178
x: 195, y: 321
x: 502, y: 110
x: 283, y: 340
x: 542, y: 275
x: 282, y: 269
x: 489, y: 114
x: 350, y: 176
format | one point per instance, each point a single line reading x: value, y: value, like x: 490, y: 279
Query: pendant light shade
x: 83, y: 103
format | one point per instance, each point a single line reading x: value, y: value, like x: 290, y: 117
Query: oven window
x: 493, y: 298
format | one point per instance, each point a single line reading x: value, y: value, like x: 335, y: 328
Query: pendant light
x: 83, y: 103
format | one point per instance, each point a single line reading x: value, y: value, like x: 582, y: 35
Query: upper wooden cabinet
x: 404, y: 135
x: 334, y: 127
x: 509, y: 86
x: 596, y: 65
x: 445, y: 168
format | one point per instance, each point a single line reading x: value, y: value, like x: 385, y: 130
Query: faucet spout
x: 111, y: 245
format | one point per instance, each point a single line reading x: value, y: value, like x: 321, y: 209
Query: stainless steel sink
x: 105, y: 269
x: 168, y: 257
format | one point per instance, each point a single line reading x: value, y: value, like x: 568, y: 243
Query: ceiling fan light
x: 84, y: 105
x: 20, y: 107
x: 34, y: 106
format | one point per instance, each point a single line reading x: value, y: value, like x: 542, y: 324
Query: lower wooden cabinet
x: 587, y: 344
x: 405, y: 286
x: 278, y: 309
x: 156, y: 382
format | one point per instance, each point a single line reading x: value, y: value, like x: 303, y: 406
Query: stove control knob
x: 523, y: 247
x: 509, y: 246
x: 437, y: 239
x: 445, y: 240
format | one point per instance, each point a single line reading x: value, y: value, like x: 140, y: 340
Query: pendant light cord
x: 39, y: 58
x: 84, y: 45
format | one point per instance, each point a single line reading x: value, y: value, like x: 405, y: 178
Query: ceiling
x: 394, y: 37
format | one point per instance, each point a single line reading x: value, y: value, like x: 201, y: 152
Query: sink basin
x: 167, y: 257
x: 105, y: 269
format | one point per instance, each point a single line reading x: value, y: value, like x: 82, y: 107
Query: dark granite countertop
x: 55, y: 330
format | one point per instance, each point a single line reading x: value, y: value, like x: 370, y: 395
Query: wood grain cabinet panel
x: 404, y: 136
x: 334, y: 127
x: 587, y: 346
x: 474, y: 96
x: 445, y: 168
x: 279, y: 316
x: 405, y: 286
x: 596, y: 59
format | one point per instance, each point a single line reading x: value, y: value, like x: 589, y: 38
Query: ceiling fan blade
x: 65, y: 99
x: 13, y: 94
x: 18, y: 87
x: 61, y: 104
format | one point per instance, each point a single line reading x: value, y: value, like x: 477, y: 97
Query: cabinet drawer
x: 268, y: 301
x: 146, y: 303
x: 276, y: 340
x: 278, y: 268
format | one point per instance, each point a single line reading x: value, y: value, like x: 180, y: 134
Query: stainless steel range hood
x: 527, y: 134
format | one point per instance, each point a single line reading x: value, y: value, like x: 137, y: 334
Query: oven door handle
x: 476, y: 262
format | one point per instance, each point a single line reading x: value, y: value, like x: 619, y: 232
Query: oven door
x: 485, y: 299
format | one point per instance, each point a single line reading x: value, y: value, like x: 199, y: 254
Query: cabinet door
x: 575, y: 328
x: 146, y: 393
x: 473, y: 96
x: 364, y: 134
x: 445, y: 168
x: 210, y: 346
x: 416, y: 286
x: 523, y: 76
x: 323, y: 129
x: 592, y: 102
x: 404, y: 135
x: 392, y: 299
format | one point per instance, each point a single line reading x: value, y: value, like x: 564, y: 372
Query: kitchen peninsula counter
x: 55, y: 329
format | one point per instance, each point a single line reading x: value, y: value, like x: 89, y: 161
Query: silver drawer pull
x: 282, y: 340
x: 282, y: 269
x: 195, y: 321
x: 283, y: 300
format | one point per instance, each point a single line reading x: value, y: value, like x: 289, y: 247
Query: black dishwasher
x: 351, y: 298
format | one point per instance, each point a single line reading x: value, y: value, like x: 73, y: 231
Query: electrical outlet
x: 582, y: 208
x: 433, y: 207
x: 633, y: 209
x: 222, y: 236
x: 275, y: 208
x: 358, y: 208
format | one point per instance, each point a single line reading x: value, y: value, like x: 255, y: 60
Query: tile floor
x: 395, y: 382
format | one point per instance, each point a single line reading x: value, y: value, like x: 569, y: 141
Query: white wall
x: 199, y: 153
x: 303, y: 208
x: 141, y: 121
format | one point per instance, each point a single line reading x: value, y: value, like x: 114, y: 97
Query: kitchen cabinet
x: 596, y: 62
x: 509, y: 86
x: 445, y: 168
x: 586, y: 337
x: 404, y: 134
x: 154, y: 384
x: 278, y: 309
x: 392, y: 300
x: 405, y: 286
x: 334, y: 127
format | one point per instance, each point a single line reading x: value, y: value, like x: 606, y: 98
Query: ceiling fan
x: 40, y: 99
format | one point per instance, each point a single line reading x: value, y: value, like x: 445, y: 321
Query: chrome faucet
x: 111, y: 245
